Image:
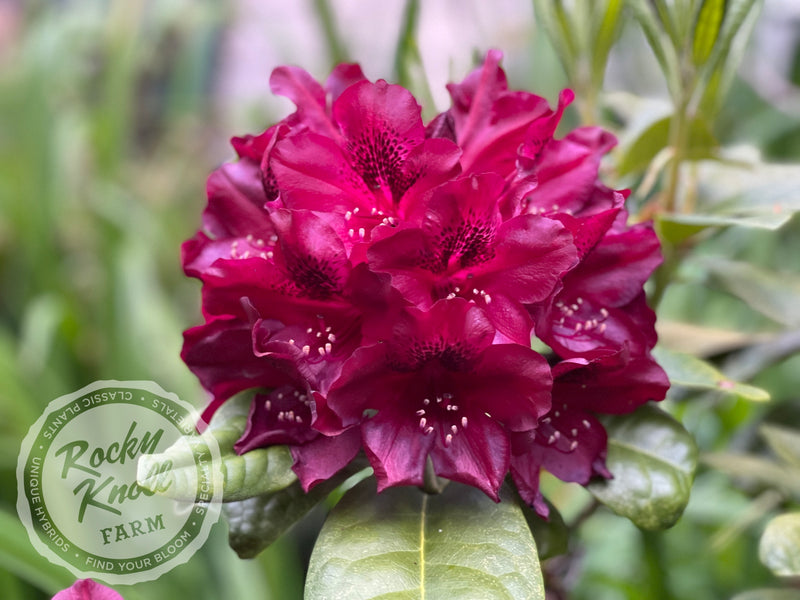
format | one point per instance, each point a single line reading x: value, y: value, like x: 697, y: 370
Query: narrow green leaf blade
x: 784, y: 442
x: 653, y: 460
x: 779, y: 548
x: 405, y: 545
x: 707, y: 29
x: 736, y: 13
x: 772, y: 294
x: 755, y: 469
x: 691, y: 372
x: 641, y: 152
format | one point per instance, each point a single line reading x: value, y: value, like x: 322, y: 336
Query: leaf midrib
x: 423, y: 513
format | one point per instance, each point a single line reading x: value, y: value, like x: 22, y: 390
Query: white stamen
x: 448, y: 439
x: 587, y: 424
x: 306, y: 349
x: 464, y: 422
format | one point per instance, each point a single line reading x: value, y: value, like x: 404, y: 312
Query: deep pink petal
x: 612, y: 384
x: 282, y: 416
x: 87, y: 589
x: 510, y: 382
x: 567, y: 170
x: 313, y: 173
x: 308, y: 95
x: 220, y: 354
x: 236, y: 200
x: 478, y: 455
x: 342, y: 77
x: 396, y: 448
x: 570, y: 444
x: 453, y: 331
x: 382, y: 125
x: 323, y: 457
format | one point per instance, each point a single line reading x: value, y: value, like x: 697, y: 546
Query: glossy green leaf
x: 784, y: 442
x: 691, y: 372
x: 640, y: 153
x: 551, y: 535
x: 255, y: 523
x: 403, y: 544
x: 653, y: 460
x: 709, y: 21
x: 257, y: 472
x: 779, y: 548
x: 772, y: 294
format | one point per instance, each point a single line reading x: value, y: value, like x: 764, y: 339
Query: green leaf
x: 641, y: 152
x: 736, y: 13
x: 653, y: 460
x: 551, y: 535
x: 752, y: 194
x: 767, y: 594
x: 253, y: 473
x: 784, y: 442
x: 558, y: 32
x: 255, y: 523
x: 18, y: 556
x: 709, y: 20
x: 770, y: 293
x: 403, y: 544
x: 766, y: 472
x: 660, y: 43
x: 606, y: 33
x: 779, y: 548
x: 691, y: 372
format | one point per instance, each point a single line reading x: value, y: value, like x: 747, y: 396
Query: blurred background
x: 112, y: 114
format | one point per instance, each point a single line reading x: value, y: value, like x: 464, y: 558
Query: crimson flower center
x: 442, y: 412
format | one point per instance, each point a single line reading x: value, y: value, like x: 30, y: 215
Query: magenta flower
x: 442, y: 389
x: 375, y: 281
x: 457, y: 245
x: 87, y: 589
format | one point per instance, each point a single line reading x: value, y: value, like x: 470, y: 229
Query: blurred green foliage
x: 107, y: 131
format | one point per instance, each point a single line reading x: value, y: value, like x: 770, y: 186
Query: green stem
x: 431, y: 484
x: 678, y: 140
x: 336, y: 48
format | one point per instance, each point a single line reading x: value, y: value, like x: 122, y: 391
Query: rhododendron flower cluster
x: 377, y: 282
